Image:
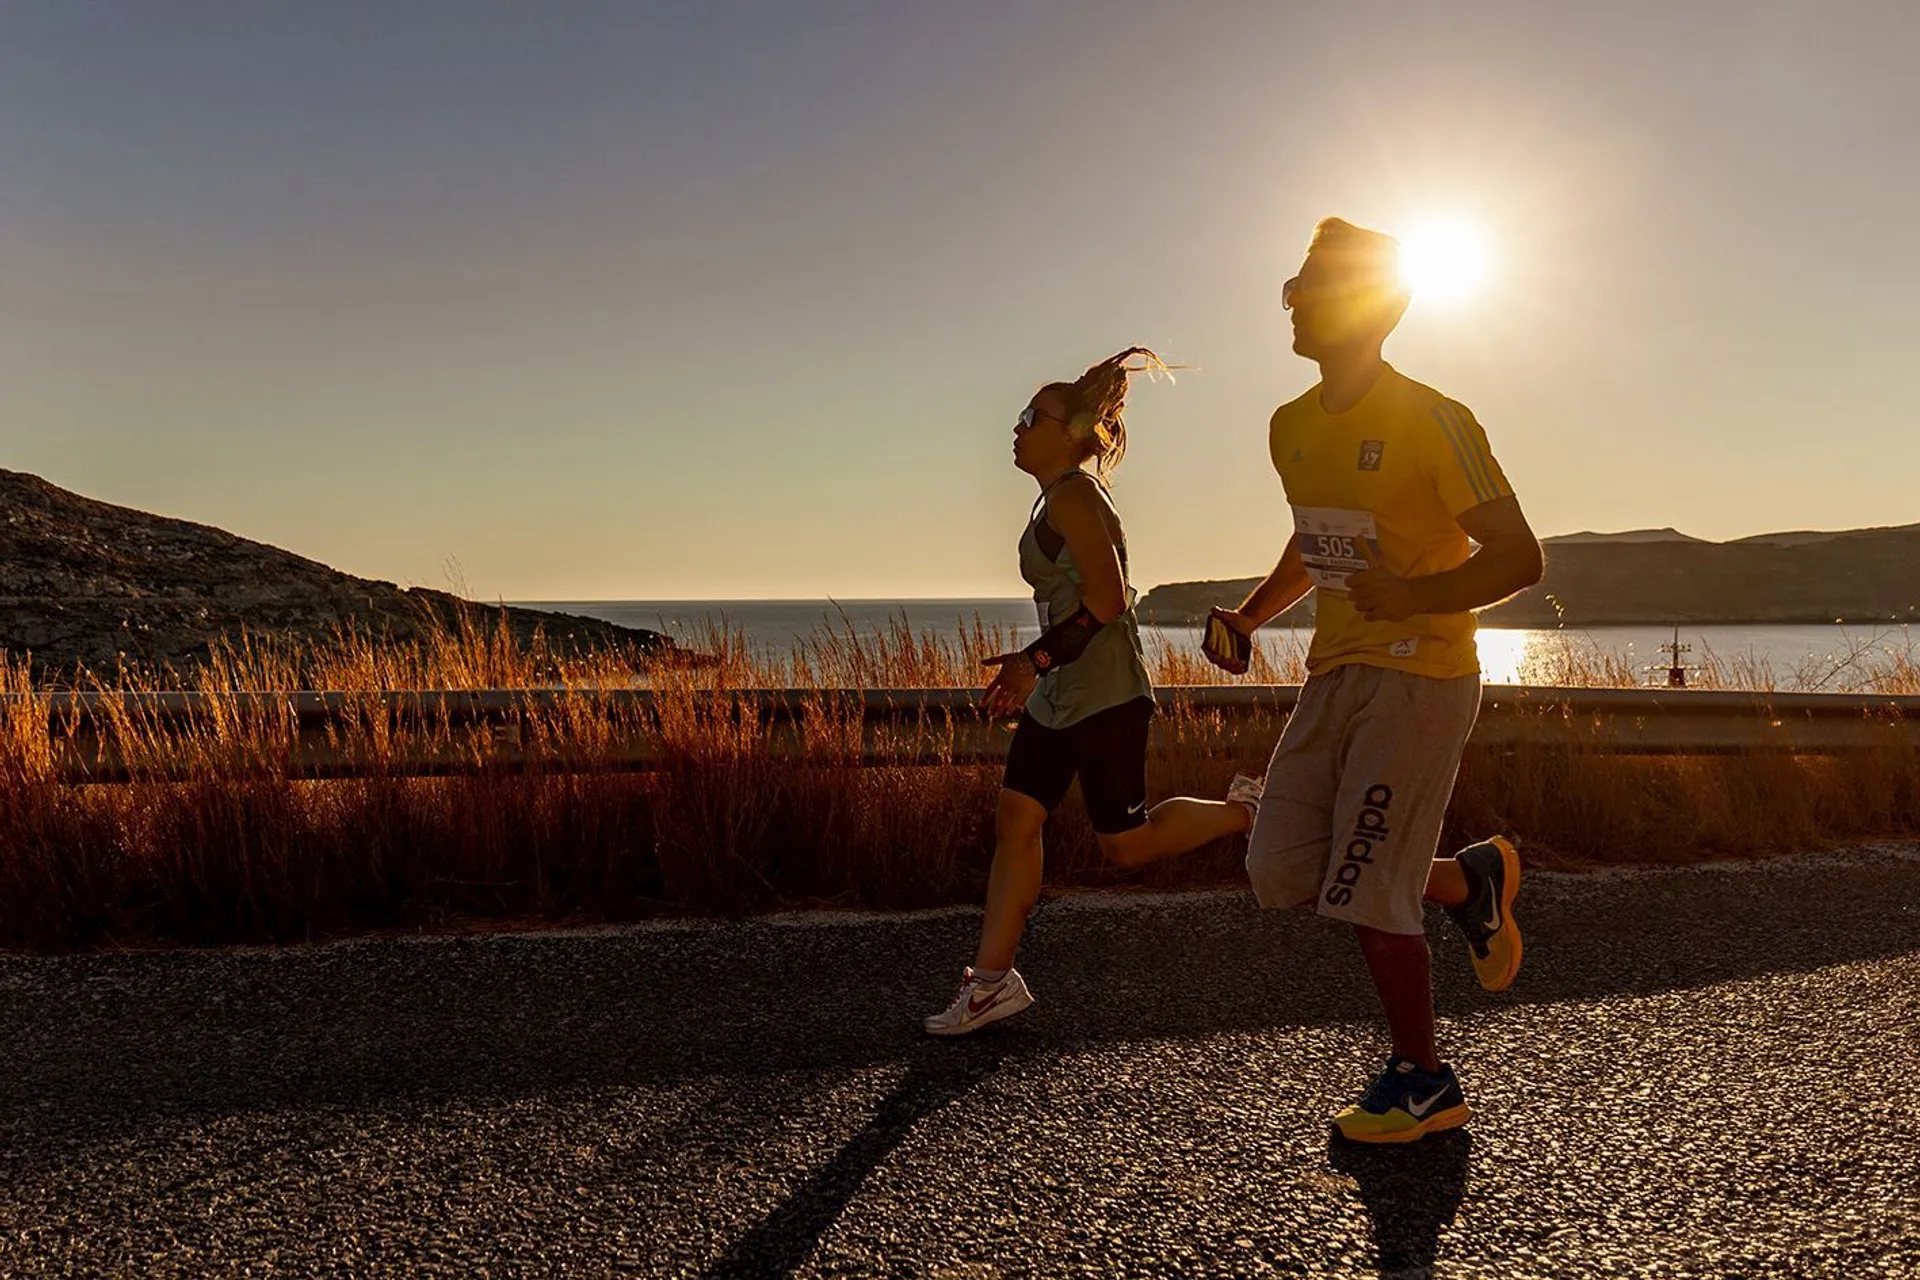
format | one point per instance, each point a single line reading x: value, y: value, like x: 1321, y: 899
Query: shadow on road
x: 941, y: 1074
x: 107, y: 1043
x: 1411, y: 1194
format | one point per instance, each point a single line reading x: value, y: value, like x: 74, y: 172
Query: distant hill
x: 1631, y: 535
x: 84, y: 582
x: 1800, y: 537
x: 1861, y: 575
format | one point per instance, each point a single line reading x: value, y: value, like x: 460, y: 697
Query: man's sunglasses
x: 1290, y: 292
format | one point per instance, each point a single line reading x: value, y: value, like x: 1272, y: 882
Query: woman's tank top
x: 1113, y: 670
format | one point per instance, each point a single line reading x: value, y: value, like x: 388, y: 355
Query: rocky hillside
x: 1861, y: 575
x: 84, y: 582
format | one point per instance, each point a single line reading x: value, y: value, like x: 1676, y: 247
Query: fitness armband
x: 1064, y: 641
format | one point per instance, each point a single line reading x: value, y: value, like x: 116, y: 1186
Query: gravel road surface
x: 1703, y: 1072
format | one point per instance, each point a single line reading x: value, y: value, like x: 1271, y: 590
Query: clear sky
x: 709, y: 300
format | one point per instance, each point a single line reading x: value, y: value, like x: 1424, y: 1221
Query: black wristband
x: 1064, y: 641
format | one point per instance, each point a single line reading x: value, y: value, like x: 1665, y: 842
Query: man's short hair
x: 1368, y: 258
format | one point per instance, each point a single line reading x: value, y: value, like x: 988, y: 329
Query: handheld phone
x: 1227, y: 644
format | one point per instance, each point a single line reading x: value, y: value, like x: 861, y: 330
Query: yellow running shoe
x: 1405, y: 1104
x: 1493, y: 879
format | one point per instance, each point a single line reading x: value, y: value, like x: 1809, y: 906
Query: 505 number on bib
x: 1335, y: 542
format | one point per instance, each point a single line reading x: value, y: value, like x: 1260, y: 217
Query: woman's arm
x: 1077, y: 511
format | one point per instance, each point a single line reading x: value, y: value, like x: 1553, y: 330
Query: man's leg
x: 1447, y: 883
x: 1292, y: 833
x: 1416, y: 1094
x: 1402, y: 749
x: 1401, y: 965
x: 1402, y: 973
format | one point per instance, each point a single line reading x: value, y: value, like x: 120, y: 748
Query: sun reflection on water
x: 1503, y: 654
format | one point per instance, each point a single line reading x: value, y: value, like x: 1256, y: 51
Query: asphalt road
x: 1710, y: 1072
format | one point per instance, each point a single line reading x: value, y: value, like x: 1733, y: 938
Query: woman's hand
x: 1010, y: 687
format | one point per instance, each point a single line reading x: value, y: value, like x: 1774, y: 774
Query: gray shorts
x: 1356, y: 794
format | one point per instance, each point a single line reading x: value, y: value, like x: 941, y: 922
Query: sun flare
x: 1443, y: 262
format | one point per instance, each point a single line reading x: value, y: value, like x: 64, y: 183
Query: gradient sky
x: 709, y: 300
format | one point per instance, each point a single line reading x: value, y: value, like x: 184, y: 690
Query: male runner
x: 1388, y: 481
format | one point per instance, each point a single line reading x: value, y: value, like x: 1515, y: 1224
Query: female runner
x: 1086, y: 701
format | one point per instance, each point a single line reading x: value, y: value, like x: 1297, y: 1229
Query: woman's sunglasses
x: 1029, y: 416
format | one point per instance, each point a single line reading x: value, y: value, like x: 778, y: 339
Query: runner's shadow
x: 1411, y: 1193
x: 938, y: 1074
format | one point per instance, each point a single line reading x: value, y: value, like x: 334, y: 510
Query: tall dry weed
x: 212, y: 840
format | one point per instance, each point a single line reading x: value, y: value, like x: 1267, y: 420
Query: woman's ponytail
x: 1101, y: 400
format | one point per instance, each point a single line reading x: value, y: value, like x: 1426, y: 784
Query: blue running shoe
x: 1492, y: 869
x: 1405, y: 1104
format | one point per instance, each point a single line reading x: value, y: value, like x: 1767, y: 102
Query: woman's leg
x: 1013, y: 885
x: 992, y: 988
x: 1176, y: 826
x: 1112, y: 751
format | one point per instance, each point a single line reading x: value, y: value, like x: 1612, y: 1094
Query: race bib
x: 1334, y: 543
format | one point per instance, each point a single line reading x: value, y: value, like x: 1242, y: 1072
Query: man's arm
x: 1280, y: 591
x: 1508, y: 561
x: 1285, y: 587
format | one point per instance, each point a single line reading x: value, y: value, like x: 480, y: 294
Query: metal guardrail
x: 346, y: 735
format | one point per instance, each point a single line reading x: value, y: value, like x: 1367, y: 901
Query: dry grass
x: 230, y: 850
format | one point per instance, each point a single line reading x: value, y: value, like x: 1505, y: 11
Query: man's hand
x: 1010, y: 687
x: 1238, y: 621
x: 1381, y: 596
x: 1508, y: 561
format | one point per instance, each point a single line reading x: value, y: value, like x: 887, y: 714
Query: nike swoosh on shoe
x: 975, y: 1010
x: 1419, y: 1109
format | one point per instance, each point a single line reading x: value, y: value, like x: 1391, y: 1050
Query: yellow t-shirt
x: 1383, y: 482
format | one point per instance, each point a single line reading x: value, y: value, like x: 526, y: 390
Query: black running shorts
x: 1108, y: 750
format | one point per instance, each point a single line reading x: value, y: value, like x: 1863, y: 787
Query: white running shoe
x: 1247, y: 791
x: 980, y: 1003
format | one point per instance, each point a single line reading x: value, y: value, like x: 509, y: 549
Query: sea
x: 1787, y: 657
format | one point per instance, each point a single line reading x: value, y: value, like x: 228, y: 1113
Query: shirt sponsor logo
x: 1370, y: 451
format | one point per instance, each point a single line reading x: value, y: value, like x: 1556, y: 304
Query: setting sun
x: 1443, y: 262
